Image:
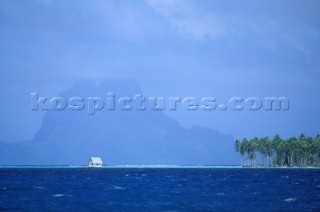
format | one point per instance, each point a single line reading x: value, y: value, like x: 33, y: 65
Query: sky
x: 220, y: 49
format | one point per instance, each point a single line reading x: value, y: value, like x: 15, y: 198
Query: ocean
x: 159, y: 189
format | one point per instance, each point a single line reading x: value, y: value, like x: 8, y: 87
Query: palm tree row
x: 276, y: 151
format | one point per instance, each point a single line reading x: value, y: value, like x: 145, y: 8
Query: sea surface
x: 159, y: 189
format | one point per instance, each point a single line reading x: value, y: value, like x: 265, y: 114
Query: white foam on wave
x: 38, y: 187
x: 290, y: 199
x: 62, y: 195
x: 58, y: 195
x: 118, y: 188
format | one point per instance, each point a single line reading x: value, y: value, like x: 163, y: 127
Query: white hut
x: 95, y: 162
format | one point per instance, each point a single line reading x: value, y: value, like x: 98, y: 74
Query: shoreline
x: 145, y: 167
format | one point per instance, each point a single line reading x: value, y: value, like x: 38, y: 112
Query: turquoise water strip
x: 114, y: 167
x: 145, y: 167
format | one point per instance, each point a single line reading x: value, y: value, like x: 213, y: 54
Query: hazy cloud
x: 186, y: 19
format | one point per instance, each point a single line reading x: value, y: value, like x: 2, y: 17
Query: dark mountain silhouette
x: 119, y: 137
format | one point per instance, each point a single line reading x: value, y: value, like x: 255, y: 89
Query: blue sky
x: 173, y: 48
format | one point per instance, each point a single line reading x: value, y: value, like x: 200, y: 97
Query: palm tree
x: 276, y: 140
x: 238, y: 148
x: 245, y: 146
x: 300, y: 151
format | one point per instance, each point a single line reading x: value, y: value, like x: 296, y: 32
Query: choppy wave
x: 160, y: 189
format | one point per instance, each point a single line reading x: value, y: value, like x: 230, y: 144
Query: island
x: 302, y: 151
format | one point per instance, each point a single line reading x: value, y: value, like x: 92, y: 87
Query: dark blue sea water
x: 159, y: 189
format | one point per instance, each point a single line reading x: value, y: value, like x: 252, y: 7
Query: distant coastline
x: 152, y: 167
